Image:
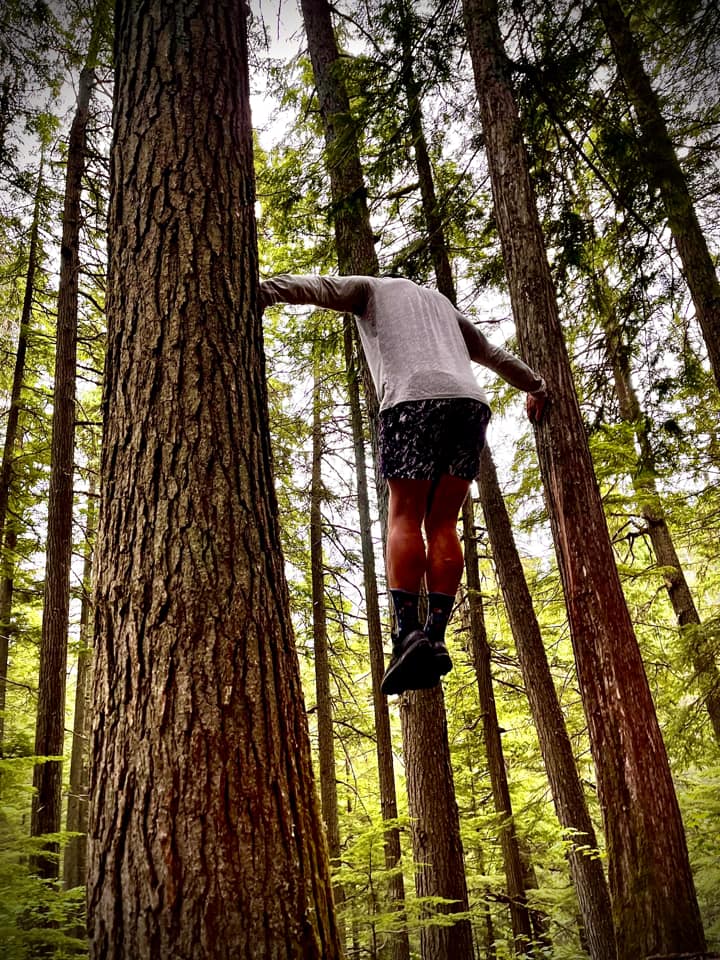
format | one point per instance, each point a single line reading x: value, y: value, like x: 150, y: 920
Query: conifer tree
x: 75, y: 855
x: 557, y: 751
x: 650, y: 503
x: 356, y: 254
x: 654, y: 901
x: 49, y: 732
x: 205, y: 834
x: 8, y: 532
x: 326, y: 738
x: 666, y: 175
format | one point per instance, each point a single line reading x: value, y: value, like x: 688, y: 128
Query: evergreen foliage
x: 601, y: 220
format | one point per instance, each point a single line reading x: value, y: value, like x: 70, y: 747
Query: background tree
x: 50, y: 727
x: 629, y: 752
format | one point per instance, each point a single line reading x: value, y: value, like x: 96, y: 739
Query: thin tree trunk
x: 353, y: 234
x: 568, y: 796
x: 570, y: 805
x: 355, y: 247
x: 654, y: 901
x: 666, y: 175
x: 326, y: 737
x: 205, y: 832
x: 514, y: 872
x: 354, y: 241
x: 651, y: 507
x: 435, y: 823
x: 399, y: 948
x: 75, y: 855
x: 8, y: 533
x: 486, y: 913
x: 7, y: 583
x: 50, y: 726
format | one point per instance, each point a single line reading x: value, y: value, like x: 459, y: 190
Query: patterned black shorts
x: 424, y: 439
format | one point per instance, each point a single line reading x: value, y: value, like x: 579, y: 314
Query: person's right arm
x: 347, y: 294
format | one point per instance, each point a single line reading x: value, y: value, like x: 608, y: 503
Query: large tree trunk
x: 435, y: 823
x: 587, y: 871
x: 654, y: 900
x: 75, y: 855
x: 205, y: 836
x: 512, y: 862
x: 651, y: 506
x: 667, y: 176
x: 50, y: 726
x: 8, y: 535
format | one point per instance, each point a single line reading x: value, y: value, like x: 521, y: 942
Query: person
x: 433, y: 415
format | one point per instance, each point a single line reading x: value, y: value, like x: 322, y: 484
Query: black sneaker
x: 412, y: 665
x: 441, y: 657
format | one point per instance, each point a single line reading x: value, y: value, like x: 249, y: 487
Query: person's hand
x: 535, y: 406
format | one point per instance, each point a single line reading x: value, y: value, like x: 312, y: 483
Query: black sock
x: 439, y: 609
x: 406, y: 611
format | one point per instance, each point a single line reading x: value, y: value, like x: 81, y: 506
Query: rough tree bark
x: 50, y: 723
x: 568, y: 797
x: 205, y: 834
x: 435, y: 823
x: 654, y: 901
x: 666, y: 175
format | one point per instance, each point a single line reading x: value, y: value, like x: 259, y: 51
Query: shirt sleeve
x: 347, y: 294
x: 509, y: 367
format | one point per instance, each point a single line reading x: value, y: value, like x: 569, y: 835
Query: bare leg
x: 412, y: 665
x: 444, y: 564
x: 405, y: 553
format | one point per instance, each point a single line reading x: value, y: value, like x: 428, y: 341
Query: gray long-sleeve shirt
x: 417, y: 344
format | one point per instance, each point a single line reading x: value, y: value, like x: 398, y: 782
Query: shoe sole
x: 443, y: 663
x: 416, y: 669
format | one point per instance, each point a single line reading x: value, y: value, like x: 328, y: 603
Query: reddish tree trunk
x: 512, y: 862
x: 50, y: 724
x: 205, y: 837
x: 435, y: 823
x: 651, y: 884
x: 587, y: 872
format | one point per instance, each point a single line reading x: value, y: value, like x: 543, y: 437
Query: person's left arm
x: 509, y: 367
